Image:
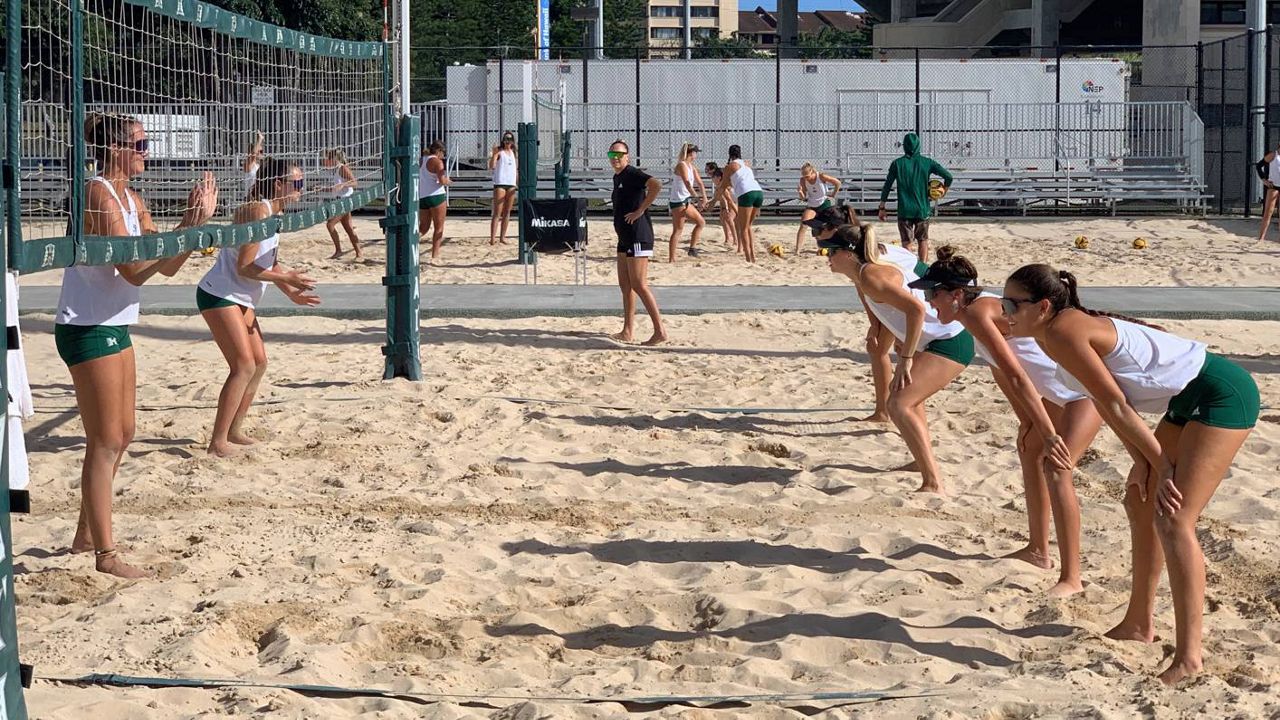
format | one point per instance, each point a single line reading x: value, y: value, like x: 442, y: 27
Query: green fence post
x: 76, y: 226
x: 527, y: 187
x: 401, y: 281
x: 13, y: 129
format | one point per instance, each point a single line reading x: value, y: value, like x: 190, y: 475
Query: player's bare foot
x: 876, y: 418
x: 657, y: 339
x: 909, y: 467
x: 624, y: 337
x: 336, y: 254
x: 223, y: 450
x: 239, y: 438
x: 82, y: 543
x: 1130, y: 631
x: 1031, y: 556
x: 1180, y: 670
x: 110, y: 562
x: 931, y: 487
x: 1065, y: 589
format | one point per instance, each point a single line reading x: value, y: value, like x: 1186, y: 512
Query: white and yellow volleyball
x: 1082, y: 242
x: 1139, y: 244
x: 937, y: 189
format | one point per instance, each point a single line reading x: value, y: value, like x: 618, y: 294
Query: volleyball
x: 206, y: 252
x: 936, y: 189
x: 1139, y: 244
x: 1082, y: 242
x: 776, y: 250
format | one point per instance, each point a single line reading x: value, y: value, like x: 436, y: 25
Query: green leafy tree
x: 720, y: 48
x: 626, y: 25
x: 832, y: 44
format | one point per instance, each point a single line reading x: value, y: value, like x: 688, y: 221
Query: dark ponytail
x: 270, y: 171
x: 960, y: 267
x: 735, y: 153
x: 1062, y: 290
x: 105, y: 131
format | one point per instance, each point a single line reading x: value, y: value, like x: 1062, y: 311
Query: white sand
x: 429, y: 537
x: 1181, y: 251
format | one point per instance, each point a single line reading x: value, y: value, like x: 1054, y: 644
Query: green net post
x: 562, y: 168
x: 527, y: 170
x: 401, y: 281
x: 13, y: 126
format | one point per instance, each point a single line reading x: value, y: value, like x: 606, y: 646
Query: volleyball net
x: 213, y: 91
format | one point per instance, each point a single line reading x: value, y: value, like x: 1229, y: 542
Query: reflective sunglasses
x: 1010, y: 305
x: 142, y: 146
x: 617, y: 154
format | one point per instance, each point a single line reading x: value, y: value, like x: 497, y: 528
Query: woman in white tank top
x: 818, y: 191
x: 681, y: 200
x: 502, y: 163
x: 1056, y: 423
x: 95, y: 309
x: 932, y: 354
x: 253, y: 160
x: 342, y: 184
x: 229, y: 293
x: 750, y: 198
x: 1210, y: 405
x: 433, y: 196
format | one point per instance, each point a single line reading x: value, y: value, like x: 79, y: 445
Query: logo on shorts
x: 112, y: 342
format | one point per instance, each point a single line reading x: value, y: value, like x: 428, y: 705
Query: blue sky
x: 805, y: 5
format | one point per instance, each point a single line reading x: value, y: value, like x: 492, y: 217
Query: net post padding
x: 402, y: 349
x: 527, y: 179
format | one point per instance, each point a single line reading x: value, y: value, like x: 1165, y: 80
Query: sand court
x: 433, y: 538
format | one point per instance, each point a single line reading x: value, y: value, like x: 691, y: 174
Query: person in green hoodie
x: 912, y: 172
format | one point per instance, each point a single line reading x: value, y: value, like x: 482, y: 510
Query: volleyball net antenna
x: 213, y: 90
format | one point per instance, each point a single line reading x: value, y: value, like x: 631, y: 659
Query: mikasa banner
x: 554, y: 225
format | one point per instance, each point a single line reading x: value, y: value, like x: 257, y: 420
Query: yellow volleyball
x: 1139, y: 244
x: 776, y: 250
x: 1082, y: 242
x: 936, y: 189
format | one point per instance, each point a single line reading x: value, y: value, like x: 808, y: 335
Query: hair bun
x: 945, y: 253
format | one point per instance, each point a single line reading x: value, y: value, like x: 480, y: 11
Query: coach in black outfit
x: 634, y: 191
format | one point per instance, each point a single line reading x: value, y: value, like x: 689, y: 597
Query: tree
x: 720, y: 48
x: 832, y: 44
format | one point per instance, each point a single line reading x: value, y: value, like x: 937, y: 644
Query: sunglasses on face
x: 299, y: 184
x: 142, y: 146
x: 617, y: 154
x: 1010, y: 305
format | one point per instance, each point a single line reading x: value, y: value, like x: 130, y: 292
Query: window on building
x: 665, y: 33
x: 700, y: 11
x: 702, y: 32
x: 1226, y: 12
x: 666, y: 11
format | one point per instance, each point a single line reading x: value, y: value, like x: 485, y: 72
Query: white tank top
x: 896, y: 320
x: 225, y: 281
x: 1273, y: 170
x: 428, y: 184
x: 99, y: 294
x: 337, y: 181
x: 743, y: 180
x: 251, y: 176
x: 903, y: 258
x: 679, y: 193
x: 815, y: 194
x: 1041, y: 370
x: 504, y: 168
x: 1150, y: 366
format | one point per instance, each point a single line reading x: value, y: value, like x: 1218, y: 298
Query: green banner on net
x: 54, y: 253
x: 207, y: 15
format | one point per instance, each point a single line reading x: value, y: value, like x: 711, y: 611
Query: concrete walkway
x: 368, y: 301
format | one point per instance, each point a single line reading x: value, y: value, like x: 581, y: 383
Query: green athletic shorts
x: 1223, y: 395
x: 82, y: 343
x: 825, y: 204
x: 957, y: 349
x: 431, y: 201
x: 755, y: 199
x: 682, y: 203
x: 209, y: 301
x: 504, y: 187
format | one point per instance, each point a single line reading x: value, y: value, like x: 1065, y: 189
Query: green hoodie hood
x: 911, y: 145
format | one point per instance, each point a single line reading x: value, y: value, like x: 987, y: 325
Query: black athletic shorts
x: 635, y: 239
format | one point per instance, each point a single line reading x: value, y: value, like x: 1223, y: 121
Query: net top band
x: 206, y: 15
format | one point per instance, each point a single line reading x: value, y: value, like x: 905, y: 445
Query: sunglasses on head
x: 1010, y: 305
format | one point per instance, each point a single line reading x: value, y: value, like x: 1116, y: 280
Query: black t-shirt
x: 628, y: 191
